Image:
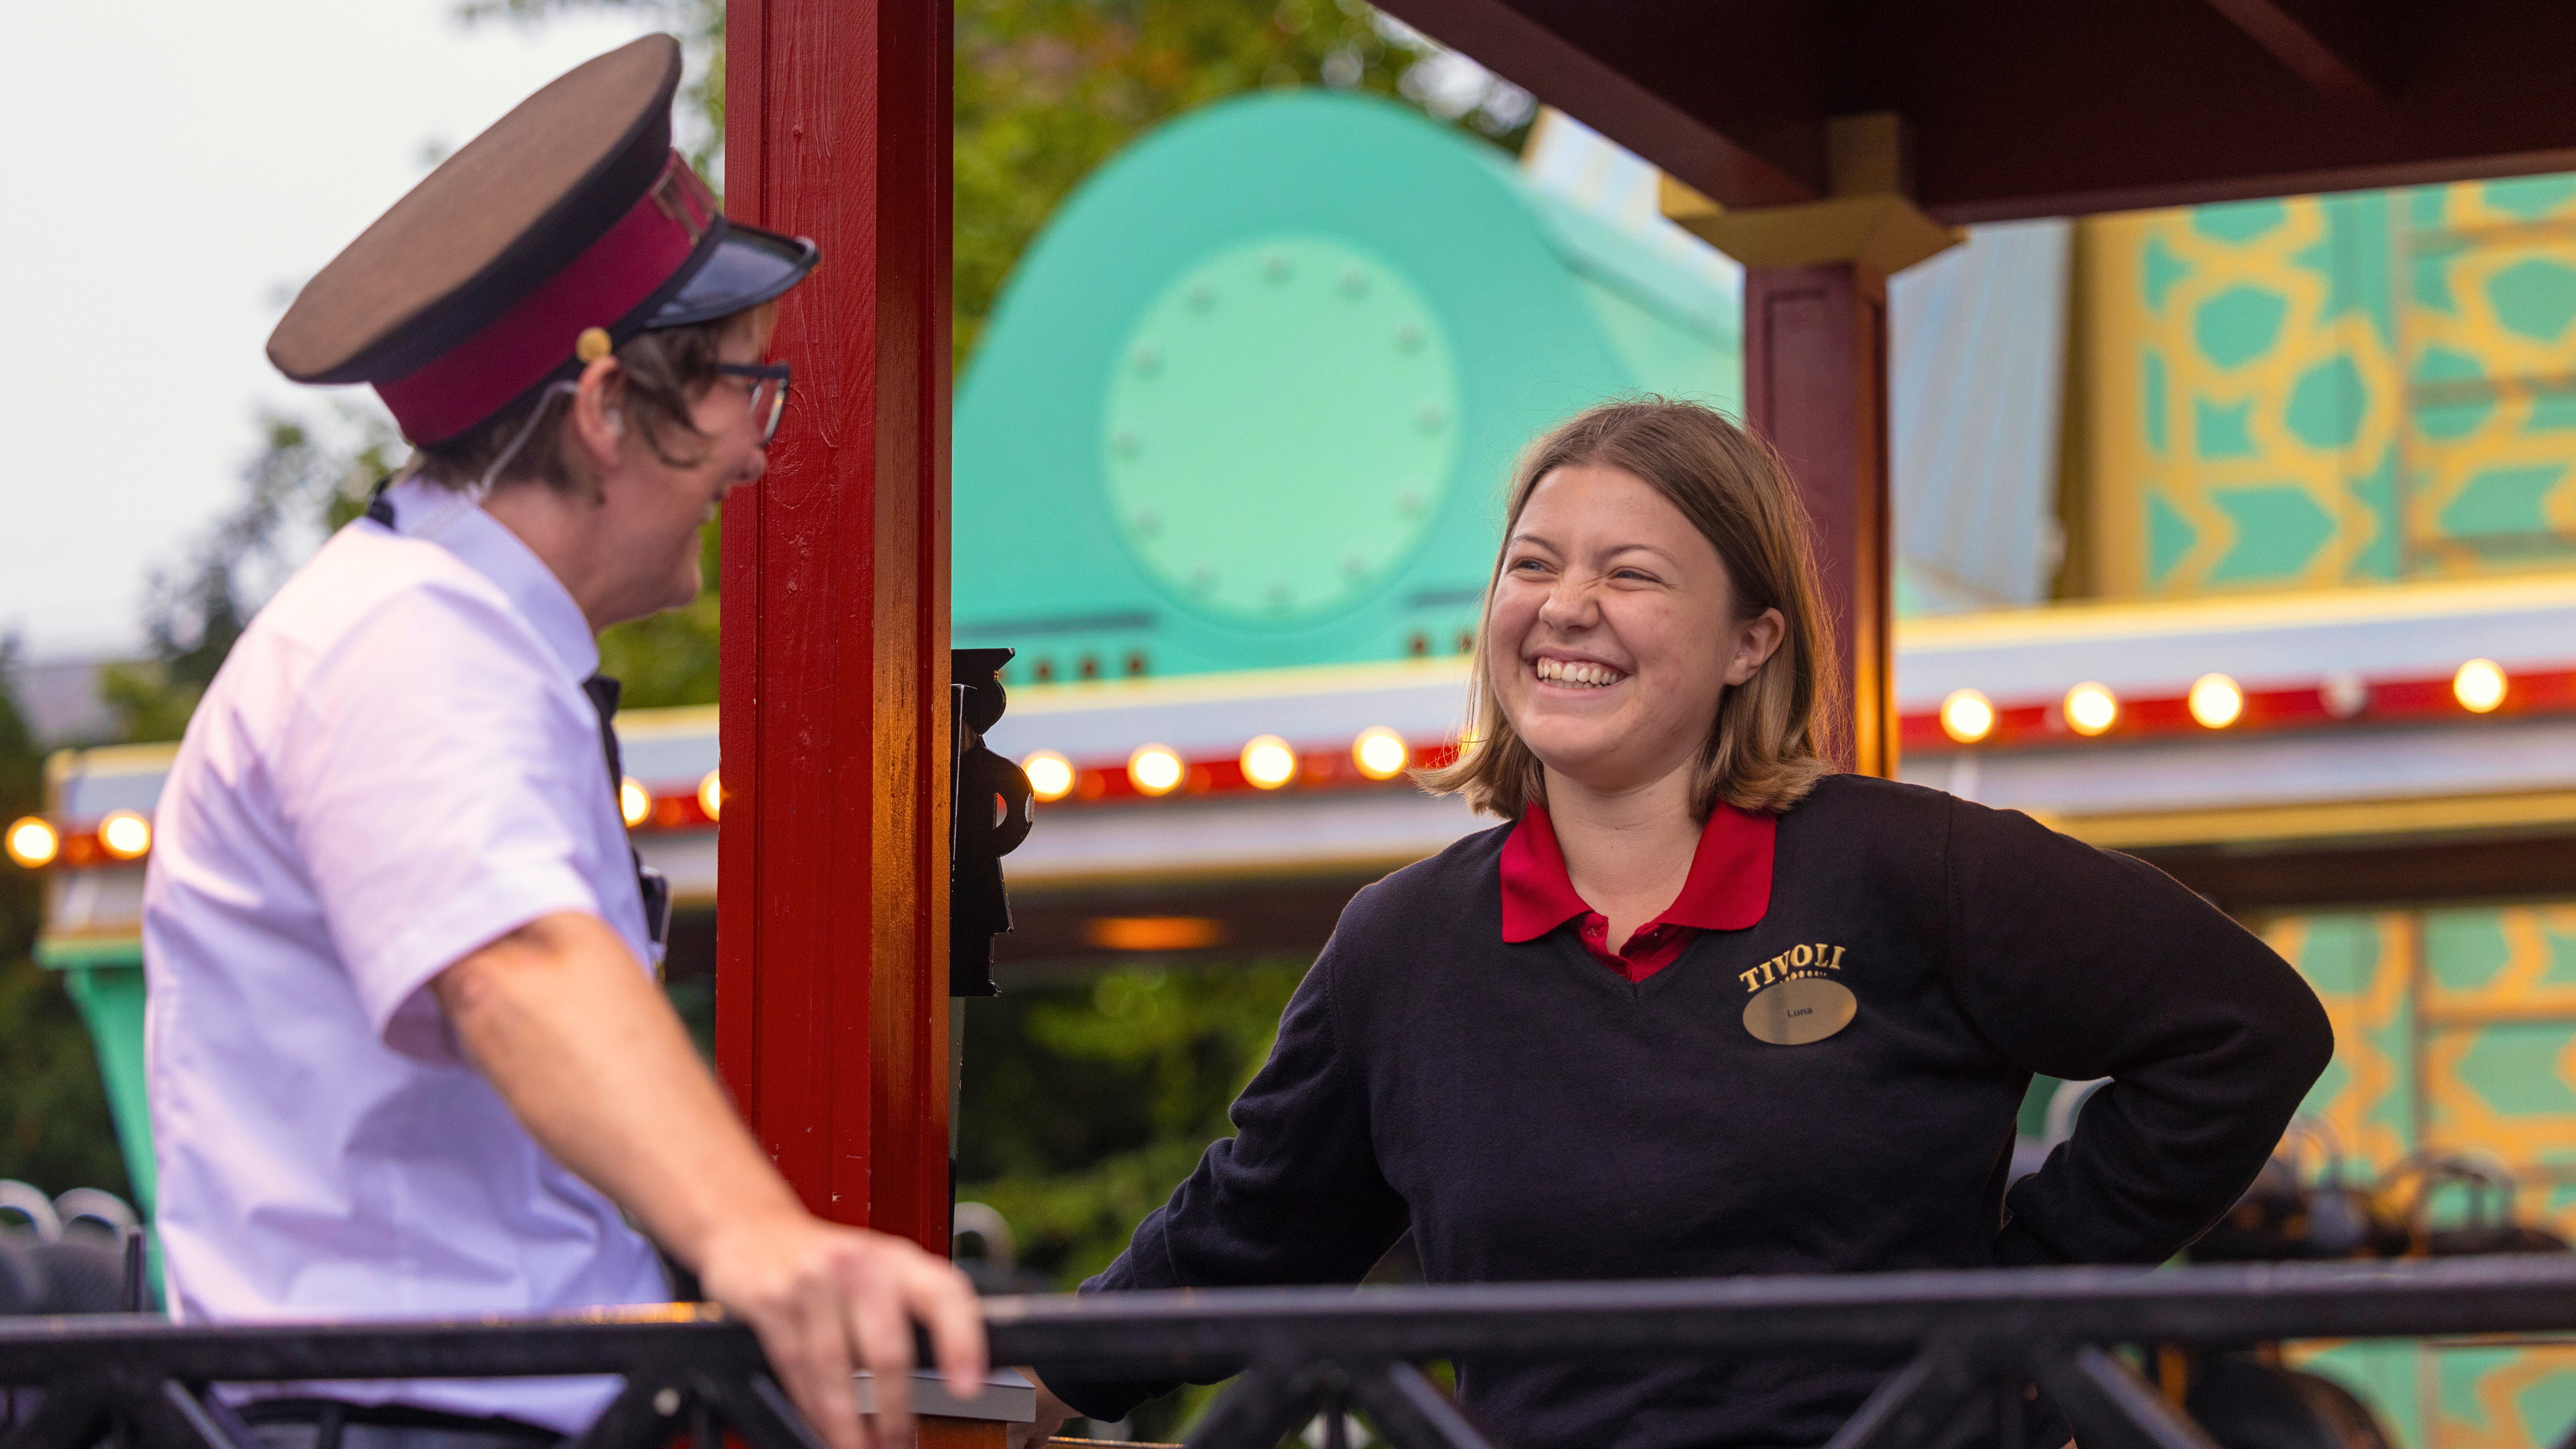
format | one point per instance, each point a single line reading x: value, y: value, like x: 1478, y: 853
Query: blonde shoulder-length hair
x: 1769, y: 742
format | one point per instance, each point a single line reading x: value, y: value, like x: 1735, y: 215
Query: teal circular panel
x: 1281, y: 426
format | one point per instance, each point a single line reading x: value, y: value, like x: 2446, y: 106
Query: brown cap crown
x: 490, y: 224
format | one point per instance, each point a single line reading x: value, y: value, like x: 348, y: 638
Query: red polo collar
x: 1728, y: 889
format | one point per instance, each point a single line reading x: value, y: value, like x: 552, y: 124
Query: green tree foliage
x: 55, y: 1130
x: 669, y: 658
x: 1087, y: 1101
x: 700, y: 25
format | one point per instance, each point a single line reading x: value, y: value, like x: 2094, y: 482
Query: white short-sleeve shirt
x: 395, y: 766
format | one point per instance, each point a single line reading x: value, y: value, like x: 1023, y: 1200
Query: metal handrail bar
x: 1199, y: 1330
x: 34, y: 1350
x: 1979, y: 1336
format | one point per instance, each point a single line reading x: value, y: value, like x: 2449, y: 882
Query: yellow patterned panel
x: 2490, y: 321
x: 2499, y: 1050
x: 2317, y: 391
x: 2479, y: 1005
x: 2361, y: 967
x: 2486, y: 963
x: 2502, y: 1398
x: 2236, y: 395
x: 2389, y: 1375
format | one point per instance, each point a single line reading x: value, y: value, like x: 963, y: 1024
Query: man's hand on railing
x: 569, y: 1028
x: 828, y: 1300
x: 1052, y: 1412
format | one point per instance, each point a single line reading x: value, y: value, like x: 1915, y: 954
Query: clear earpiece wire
x: 482, y: 488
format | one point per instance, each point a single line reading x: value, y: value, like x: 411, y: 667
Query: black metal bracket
x: 991, y: 809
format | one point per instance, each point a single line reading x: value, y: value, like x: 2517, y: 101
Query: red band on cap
x: 612, y: 277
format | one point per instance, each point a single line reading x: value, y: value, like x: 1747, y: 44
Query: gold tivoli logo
x: 1796, y: 999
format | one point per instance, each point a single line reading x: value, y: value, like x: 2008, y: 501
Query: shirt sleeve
x: 1295, y: 1196
x: 2082, y: 963
x: 432, y: 793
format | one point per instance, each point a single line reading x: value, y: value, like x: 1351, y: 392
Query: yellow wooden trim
x: 686, y: 719
x: 2235, y: 613
x: 1881, y: 234
x: 2325, y: 820
x: 59, y: 951
x: 118, y: 759
x: 115, y: 932
x: 2453, y: 1018
x: 64, y: 766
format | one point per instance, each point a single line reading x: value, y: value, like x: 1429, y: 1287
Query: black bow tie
x: 603, y: 692
x: 651, y: 884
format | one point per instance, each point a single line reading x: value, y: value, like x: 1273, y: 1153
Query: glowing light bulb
x: 2091, y: 708
x: 1268, y: 762
x: 1155, y: 770
x: 1050, y: 775
x: 124, y: 834
x: 633, y: 801
x: 1967, y: 716
x: 711, y: 794
x: 2216, y: 701
x: 1380, y: 753
x: 2479, y: 686
x: 33, y: 842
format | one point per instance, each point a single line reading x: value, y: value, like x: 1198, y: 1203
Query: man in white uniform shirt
x: 407, y: 1057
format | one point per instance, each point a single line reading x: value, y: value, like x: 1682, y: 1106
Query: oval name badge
x: 1800, y: 1010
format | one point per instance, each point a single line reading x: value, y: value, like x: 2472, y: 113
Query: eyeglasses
x: 768, y: 386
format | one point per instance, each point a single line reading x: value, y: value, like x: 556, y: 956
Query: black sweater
x: 1532, y: 1116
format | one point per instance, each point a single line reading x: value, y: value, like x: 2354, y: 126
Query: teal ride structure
x: 1250, y: 400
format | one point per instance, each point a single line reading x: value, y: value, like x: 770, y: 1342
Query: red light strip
x: 675, y: 812
x: 81, y: 850
x: 1324, y: 769
x: 2388, y: 701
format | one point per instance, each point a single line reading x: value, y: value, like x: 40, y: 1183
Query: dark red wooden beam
x: 2028, y: 109
x: 2344, y: 49
x: 832, y: 993
x: 1722, y: 154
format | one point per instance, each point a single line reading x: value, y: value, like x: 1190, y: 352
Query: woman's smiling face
x: 1612, y: 631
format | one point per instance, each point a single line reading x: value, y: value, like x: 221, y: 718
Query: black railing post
x: 2112, y: 1408
x: 1411, y: 1412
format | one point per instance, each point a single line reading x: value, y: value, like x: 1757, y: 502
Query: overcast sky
x: 178, y: 167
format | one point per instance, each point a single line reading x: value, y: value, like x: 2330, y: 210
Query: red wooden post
x: 1815, y: 384
x: 832, y: 978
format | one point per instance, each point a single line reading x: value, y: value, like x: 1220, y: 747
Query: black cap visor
x: 747, y: 267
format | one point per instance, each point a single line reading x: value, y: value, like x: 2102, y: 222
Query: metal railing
x: 1977, y: 1339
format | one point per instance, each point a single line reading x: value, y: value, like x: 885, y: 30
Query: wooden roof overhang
x: 2048, y: 109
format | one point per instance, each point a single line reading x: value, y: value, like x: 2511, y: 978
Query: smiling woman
x: 1651, y: 529
x: 1705, y: 1007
